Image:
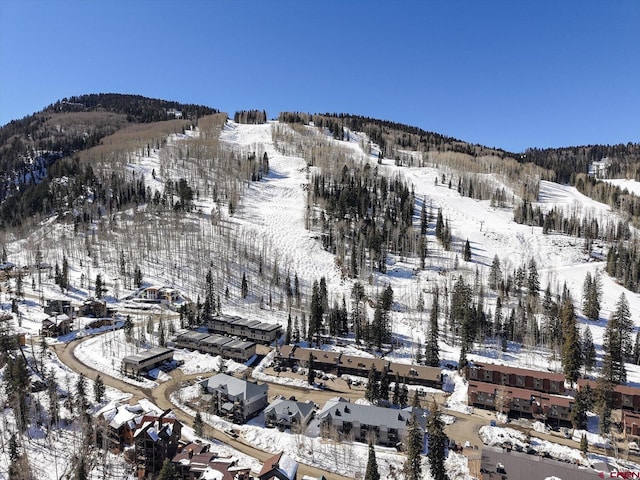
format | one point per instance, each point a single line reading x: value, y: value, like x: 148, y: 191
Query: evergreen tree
x: 533, y: 282
x: 311, y: 374
x: 372, y: 472
x: 384, y: 385
x: 98, y: 389
x: 616, y: 342
x: 571, y: 354
x: 588, y: 350
x: 584, y: 444
x: 137, y: 277
x: 591, y: 294
x: 244, y: 289
x: 198, y: 424
x: 437, y: 442
x: 64, y: 274
x: 466, y: 255
x: 99, y: 287
x: 432, y: 349
x: 414, y: 440
x: 578, y: 414
x: 168, y: 471
x: 495, y: 274
x: 636, y: 349
x: 371, y: 393
x: 81, y: 469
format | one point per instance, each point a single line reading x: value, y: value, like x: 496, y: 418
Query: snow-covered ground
x: 274, y: 210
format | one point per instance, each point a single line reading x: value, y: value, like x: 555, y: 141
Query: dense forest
x: 30, y: 147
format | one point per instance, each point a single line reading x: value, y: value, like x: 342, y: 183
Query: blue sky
x: 510, y: 74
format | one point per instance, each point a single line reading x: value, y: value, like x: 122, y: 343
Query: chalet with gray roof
x: 233, y: 398
x: 290, y: 414
x: 384, y: 426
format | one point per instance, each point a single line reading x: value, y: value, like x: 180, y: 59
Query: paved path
x: 160, y: 396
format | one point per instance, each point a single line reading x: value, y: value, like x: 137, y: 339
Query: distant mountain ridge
x: 29, y: 147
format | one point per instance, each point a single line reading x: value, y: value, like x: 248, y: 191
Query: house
x: 54, y: 307
x: 57, y: 325
x: 146, y: 360
x: 92, y: 307
x: 116, y: 424
x: 384, y: 426
x: 158, y: 294
x: 155, y: 439
x: 538, y: 380
x: 280, y: 467
x: 290, y: 414
x: 235, y: 399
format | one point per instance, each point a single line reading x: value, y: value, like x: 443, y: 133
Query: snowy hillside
x: 266, y: 236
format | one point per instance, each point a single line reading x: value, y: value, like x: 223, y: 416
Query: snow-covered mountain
x: 268, y: 231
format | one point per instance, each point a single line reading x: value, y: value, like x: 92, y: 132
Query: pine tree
x: 578, y: 414
x: 533, y: 282
x: 432, y: 349
x: 98, y: 389
x: 495, y: 274
x: 584, y: 444
x: 244, y: 289
x: 588, y: 350
x: 591, y: 293
x: 414, y: 440
x: 198, y: 424
x: 571, y: 355
x: 99, y: 287
x: 466, y: 256
x: 371, y: 393
x: 383, y: 389
x: 616, y: 342
x: 311, y: 374
x: 437, y: 441
x: 168, y: 471
x: 372, y: 472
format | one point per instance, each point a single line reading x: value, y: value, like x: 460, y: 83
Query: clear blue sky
x: 510, y: 74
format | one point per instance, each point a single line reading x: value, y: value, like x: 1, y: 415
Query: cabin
x: 116, y: 424
x: 56, y: 325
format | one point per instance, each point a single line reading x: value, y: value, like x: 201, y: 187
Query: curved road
x: 160, y: 396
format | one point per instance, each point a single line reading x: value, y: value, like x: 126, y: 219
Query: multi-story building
x: 521, y: 402
x: 253, y: 330
x: 384, y: 426
x: 156, y: 438
x: 235, y: 399
x: 538, y: 380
